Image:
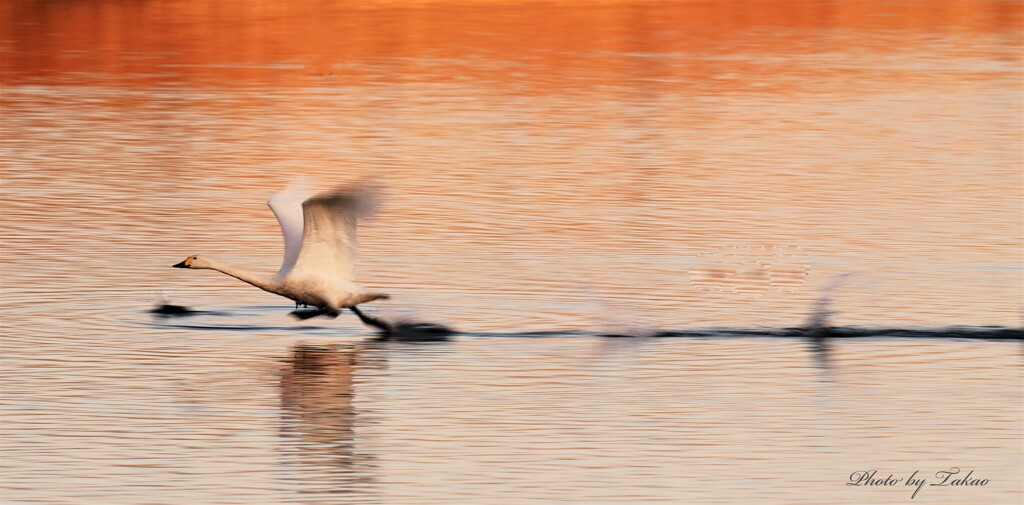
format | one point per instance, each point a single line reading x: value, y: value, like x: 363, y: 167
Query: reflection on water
x: 318, y: 419
x: 556, y: 172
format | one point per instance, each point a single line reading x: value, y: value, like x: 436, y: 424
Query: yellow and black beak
x: 183, y: 264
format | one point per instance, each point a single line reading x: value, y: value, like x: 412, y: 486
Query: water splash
x: 162, y: 305
x: 610, y: 322
x: 818, y: 328
x: 821, y: 313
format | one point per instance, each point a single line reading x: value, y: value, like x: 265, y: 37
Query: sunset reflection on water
x: 554, y: 171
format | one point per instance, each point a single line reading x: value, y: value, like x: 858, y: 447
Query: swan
x: 319, y: 250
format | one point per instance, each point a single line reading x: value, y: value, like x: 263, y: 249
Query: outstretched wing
x: 329, y: 231
x: 287, y: 206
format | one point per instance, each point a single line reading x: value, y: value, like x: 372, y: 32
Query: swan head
x: 193, y: 262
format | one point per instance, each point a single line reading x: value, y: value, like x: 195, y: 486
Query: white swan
x: 319, y: 250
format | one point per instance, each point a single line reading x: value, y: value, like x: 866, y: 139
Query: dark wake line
x: 830, y: 333
x: 430, y: 332
x: 817, y: 330
x: 851, y: 332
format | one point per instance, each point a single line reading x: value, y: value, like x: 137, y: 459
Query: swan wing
x: 287, y: 207
x: 329, y: 232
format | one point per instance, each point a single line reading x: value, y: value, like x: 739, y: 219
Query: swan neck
x: 256, y: 280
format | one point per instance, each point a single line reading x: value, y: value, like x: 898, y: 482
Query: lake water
x: 694, y: 175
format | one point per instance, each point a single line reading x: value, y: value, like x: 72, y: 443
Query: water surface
x: 697, y: 171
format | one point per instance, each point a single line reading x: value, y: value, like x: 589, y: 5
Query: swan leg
x: 371, y: 321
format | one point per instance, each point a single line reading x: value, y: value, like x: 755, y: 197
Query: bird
x: 319, y: 250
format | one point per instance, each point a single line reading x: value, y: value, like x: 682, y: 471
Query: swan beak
x: 180, y: 265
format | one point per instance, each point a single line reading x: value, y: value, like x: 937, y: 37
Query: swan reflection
x: 319, y: 421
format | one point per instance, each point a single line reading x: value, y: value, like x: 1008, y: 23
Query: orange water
x: 557, y: 167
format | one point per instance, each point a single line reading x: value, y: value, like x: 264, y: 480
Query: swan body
x: 319, y: 250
